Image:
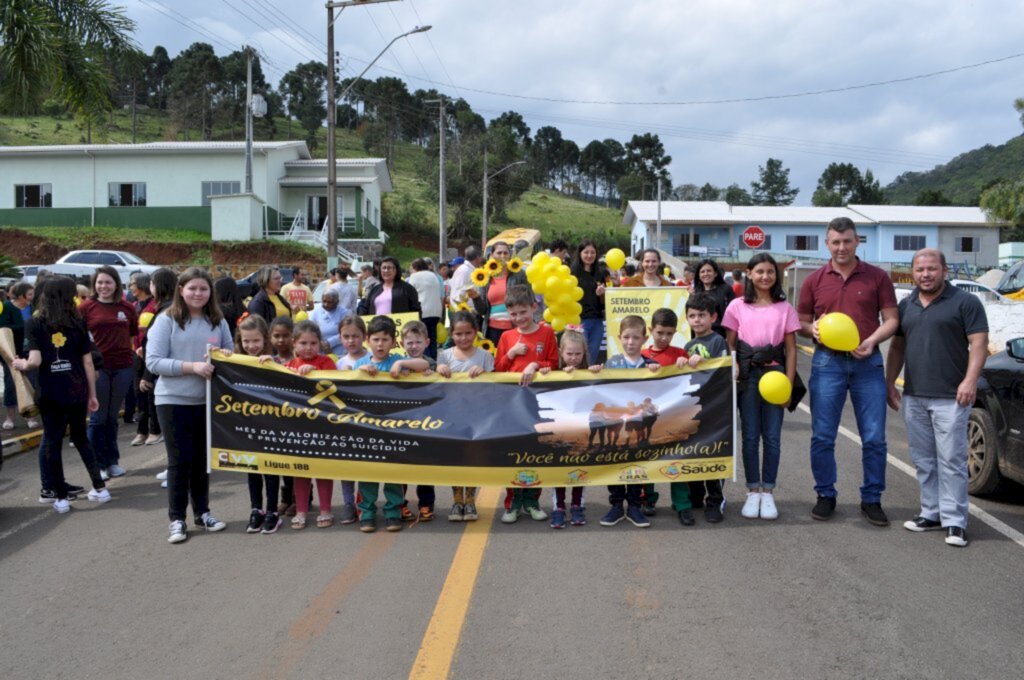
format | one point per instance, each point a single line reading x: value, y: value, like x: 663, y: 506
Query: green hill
x: 964, y: 178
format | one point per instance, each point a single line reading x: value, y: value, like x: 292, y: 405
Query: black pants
x: 56, y: 419
x: 709, y: 488
x: 256, y: 483
x: 184, y: 429
x: 617, y: 493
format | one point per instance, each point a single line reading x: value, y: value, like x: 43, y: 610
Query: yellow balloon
x: 564, y: 300
x: 442, y: 334
x: 300, y: 315
x: 576, y: 308
x: 549, y: 315
x: 558, y: 324
x: 577, y: 294
x: 145, y: 319
x: 775, y: 388
x: 838, y: 332
x: 564, y: 271
x: 573, y: 281
x: 540, y: 259
x: 551, y: 268
x: 554, y: 285
x: 615, y: 258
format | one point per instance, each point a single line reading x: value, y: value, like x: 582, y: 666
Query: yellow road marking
x: 437, y: 650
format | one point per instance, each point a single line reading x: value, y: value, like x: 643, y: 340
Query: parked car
x: 1013, y: 279
x: 979, y: 289
x: 29, y: 272
x: 995, y: 431
x: 85, y: 262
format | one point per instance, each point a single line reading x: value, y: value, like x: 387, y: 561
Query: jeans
x: 10, y: 395
x: 761, y: 426
x: 617, y: 493
x: 111, y: 386
x: 431, y: 324
x: 593, y: 332
x: 834, y: 374
x: 937, y: 437
x: 184, y: 430
x: 56, y: 419
x: 393, y: 499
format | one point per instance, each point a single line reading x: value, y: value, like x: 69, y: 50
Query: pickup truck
x: 84, y: 263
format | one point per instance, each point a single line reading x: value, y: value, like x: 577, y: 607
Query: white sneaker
x: 32, y: 423
x: 116, y: 471
x: 163, y: 484
x: 100, y: 496
x: 768, y: 509
x: 8, y: 424
x: 162, y: 475
x: 104, y: 475
x: 62, y: 506
x: 154, y: 439
x: 138, y: 440
x: 178, y: 533
x: 510, y: 517
x: 752, y: 508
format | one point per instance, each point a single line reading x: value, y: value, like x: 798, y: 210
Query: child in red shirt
x: 526, y: 348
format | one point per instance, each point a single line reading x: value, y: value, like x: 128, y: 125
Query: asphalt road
x: 98, y: 593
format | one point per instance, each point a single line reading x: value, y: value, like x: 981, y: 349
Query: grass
x: 547, y: 210
x: 75, y: 237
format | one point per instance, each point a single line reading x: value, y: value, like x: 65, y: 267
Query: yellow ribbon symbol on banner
x: 327, y: 390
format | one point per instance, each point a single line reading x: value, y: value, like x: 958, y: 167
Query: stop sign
x: 753, y: 237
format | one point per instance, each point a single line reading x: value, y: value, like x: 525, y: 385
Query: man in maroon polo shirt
x: 864, y: 292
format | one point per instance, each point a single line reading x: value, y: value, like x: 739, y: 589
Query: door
x: 316, y: 212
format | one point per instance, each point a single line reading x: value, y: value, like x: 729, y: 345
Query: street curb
x: 22, y: 443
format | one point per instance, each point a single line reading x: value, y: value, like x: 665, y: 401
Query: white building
x: 190, y: 185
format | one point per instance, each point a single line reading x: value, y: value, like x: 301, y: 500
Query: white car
x: 85, y: 262
x: 980, y: 289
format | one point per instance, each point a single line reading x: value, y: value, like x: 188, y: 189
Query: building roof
x: 922, y: 214
x: 375, y: 165
x: 150, y: 147
x: 344, y: 181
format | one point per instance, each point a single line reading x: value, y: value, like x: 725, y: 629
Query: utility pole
x: 248, y: 119
x: 442, y: 221
x: 658, y: 238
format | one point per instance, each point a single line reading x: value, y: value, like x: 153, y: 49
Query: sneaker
x: 955, y: 536
x: 614, y: 515
x: 510, y: 516
x: 393, y: 523
x: 8, y: 424
x: 74, y: 490
x: 138, y: 440
x: 32, y: 423
x: 104, y: 475
x: 63, y: 505
x: 163, y: 484
x: 368, y: 526
x: 272, y: 523
x: 154, y: 439
x: 713, y: 513
x: 210, y: 523
x: 348, y: 514
x: 752, y: 507
x: 178, y: 532
x: 162, y: 476
x: 426, y: 514
x: 256, y: 518
x: 919, y: 524
x: 768, y: 509
x: 536, y: 513
x: 47, y: 496
x: 558, y: 519
x: 116, y: 471
x: 469, y: 512
x: 649, y: 510
x: 824, y: 508
x: 686, y: 518
x: 457, y: 513
x: 636, y: 515
x: 100, y: 496
x: 577, y: 517
x: 874, y: 514
x: 407, y: 515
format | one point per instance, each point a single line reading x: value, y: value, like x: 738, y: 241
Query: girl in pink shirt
x: 761, y: 328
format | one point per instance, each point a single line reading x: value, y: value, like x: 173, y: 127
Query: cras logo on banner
x: 633, y: 474
x: 241, y: 461
x: 526, y: 478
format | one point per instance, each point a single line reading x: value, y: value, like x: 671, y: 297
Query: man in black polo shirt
x: 946, y: 331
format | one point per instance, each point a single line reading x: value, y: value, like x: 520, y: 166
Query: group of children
x: 756, y: 320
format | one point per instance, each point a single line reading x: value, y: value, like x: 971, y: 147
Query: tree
x: 842, y: 183
x: 196, y: 81
x: 547, y: 154
x: 773, y: 186
x: 1005, y: 202
x: 645, y: 156
x: 387, y: 104
x: 157, y: 72
x: 514, y: 122
x: 932, y: 197
x: 684, y: 192
x: 734, y: 194
x: 52, y: 48
x: 303, y: 90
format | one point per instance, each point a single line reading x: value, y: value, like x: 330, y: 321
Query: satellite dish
x: 259, y: 106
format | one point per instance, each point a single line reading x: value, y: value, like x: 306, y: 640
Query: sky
x: 710, y: 77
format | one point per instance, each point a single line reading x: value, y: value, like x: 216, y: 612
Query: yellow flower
x: 480, y: 276
x: 58, y: 340
x: 462, y: 307
x: 492, y: 266
x: 488, y: 346
x: 515, y: 264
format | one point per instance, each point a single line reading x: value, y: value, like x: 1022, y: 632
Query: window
x: 219, y: 189
x: 862, y: 239
x: 125, y: 195
x: 84, y: 257
x: 801, y: 242
x: 967, y: 244
x: 907, y: 242
x: 33, y: 195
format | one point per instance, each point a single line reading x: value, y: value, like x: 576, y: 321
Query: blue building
x: 889, y: 234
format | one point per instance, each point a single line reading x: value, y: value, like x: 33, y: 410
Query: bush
x: 53, y: 108
x: 401, y: 214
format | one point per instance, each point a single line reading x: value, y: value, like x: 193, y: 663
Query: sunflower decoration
x: 492, y: 266
x: 488, y: 346
x: 481, y: 276
x: 58, y: 340
x: 462, y: 307
x: 515, y: 265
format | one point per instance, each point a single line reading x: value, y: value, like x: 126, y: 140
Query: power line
x: 384, y: 38
x: 409, y: 42
x: 288, y: 44
x: 437, y: 54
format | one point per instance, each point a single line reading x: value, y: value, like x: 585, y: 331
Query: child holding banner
x: 464, y: 357
x: 526, y: 348
x: 381, y: 332
x: 761, y: 328
x: 415, y: 341
x: 281, y: 330
x: 352, y: 331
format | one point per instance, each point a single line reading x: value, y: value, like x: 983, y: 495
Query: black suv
x: 995, y: 431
